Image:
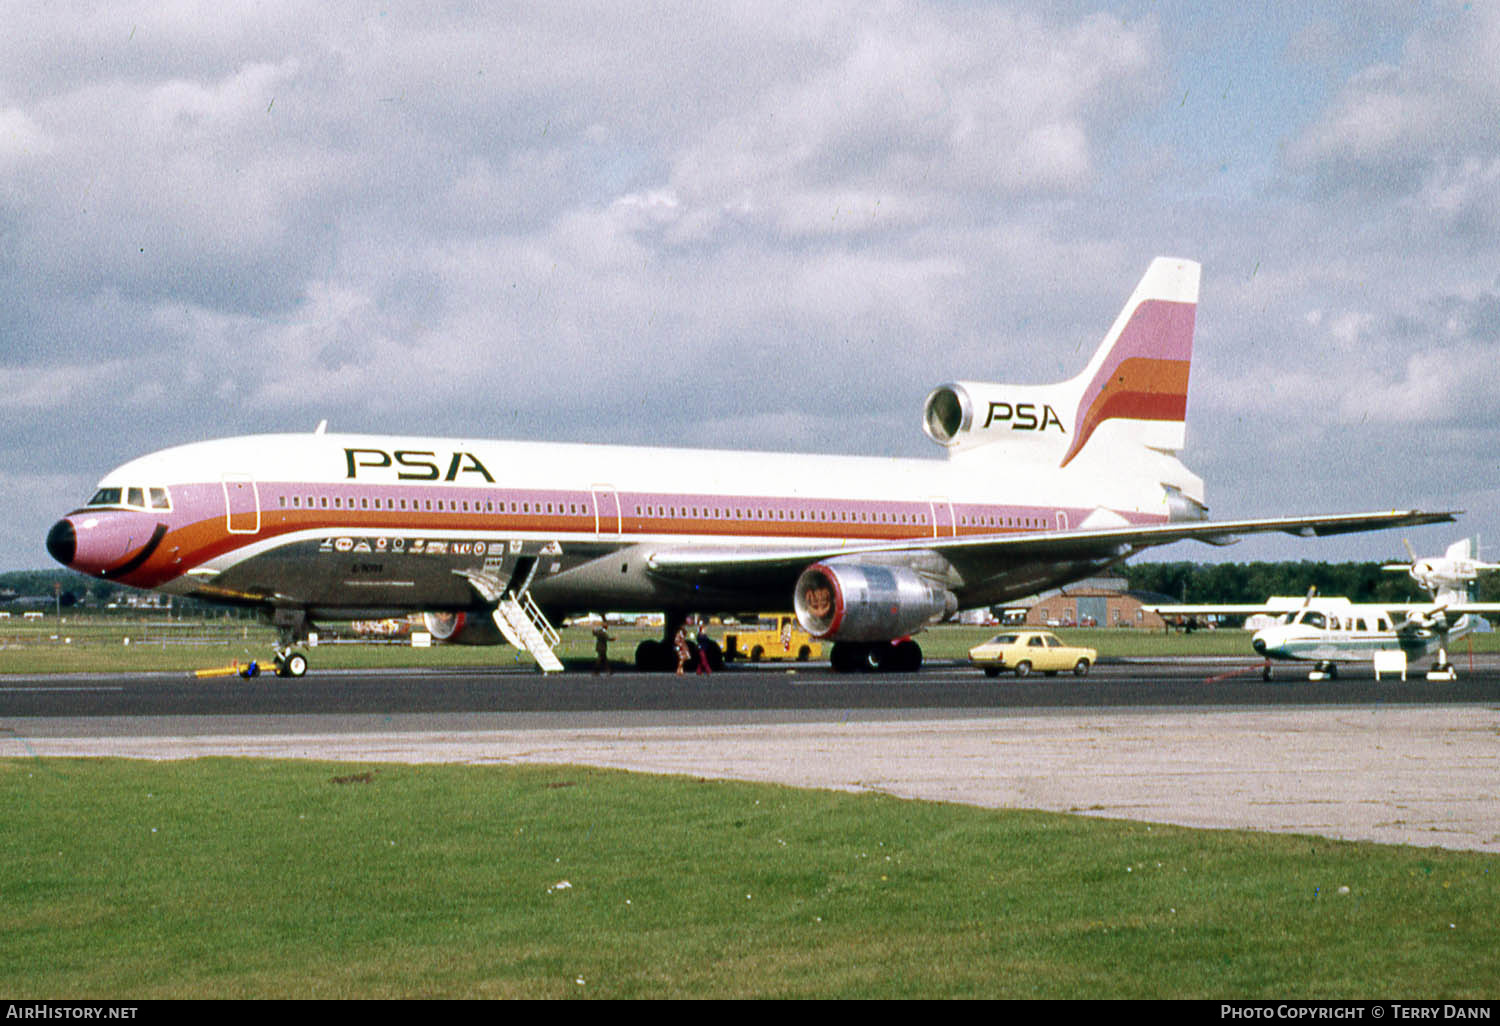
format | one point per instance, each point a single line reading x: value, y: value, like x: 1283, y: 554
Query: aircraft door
x: 241, y: 504
x: 606, y: 510
x: 944, y: 523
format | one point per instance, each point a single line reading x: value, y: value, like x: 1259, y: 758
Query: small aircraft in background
x: 1456, y: 570
x: 1333, y: 630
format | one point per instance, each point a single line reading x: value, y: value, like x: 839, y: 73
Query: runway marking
x: 80, y: 687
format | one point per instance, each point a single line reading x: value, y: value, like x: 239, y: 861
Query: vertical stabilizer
x: 1131, y: 396
x: 1139, y: 376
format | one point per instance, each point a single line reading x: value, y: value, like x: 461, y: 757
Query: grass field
x: 83, y: 643
x: 226, y: 878
x: 222, y: 878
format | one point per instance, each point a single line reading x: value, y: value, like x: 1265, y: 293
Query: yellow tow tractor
x: 774, y: 636
x: 235, y: 669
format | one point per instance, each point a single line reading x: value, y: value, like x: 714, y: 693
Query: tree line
x: 1181, y: 581
x: 68, y: 589
x: 1255, y: 582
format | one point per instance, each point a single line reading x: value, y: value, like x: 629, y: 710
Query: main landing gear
x: 904, y: 656
x: 652, y: 656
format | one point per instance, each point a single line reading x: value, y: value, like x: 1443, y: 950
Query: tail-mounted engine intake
x: 462, y: 628
x: 964, y: 414
x: 861, y: 602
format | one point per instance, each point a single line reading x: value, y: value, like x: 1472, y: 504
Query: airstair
x: 519, y: 619
x: 524, y: 626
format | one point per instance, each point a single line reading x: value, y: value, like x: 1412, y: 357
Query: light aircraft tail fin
x: 1133, y: 393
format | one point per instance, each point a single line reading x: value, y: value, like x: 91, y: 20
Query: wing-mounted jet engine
x: 462, y: 628
x: 869, y: 610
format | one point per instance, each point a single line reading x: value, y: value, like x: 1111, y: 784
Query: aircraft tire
x: 850, y: 657
x: 906, y: 657
x: 652, y: 656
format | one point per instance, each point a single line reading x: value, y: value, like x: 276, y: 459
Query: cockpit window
x: 133, y: 498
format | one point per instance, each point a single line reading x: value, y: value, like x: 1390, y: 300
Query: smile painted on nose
x: 107, y: 548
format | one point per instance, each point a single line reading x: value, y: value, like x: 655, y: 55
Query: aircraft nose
x: 62, y: 542
x: 1259, y: 644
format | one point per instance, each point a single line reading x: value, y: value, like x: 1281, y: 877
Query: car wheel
x: 1081, y: 668
x: 1023, y: 669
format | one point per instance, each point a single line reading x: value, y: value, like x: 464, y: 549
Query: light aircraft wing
x: 980, y: 554
x: 1222, y: 610
x: 1432, y: 608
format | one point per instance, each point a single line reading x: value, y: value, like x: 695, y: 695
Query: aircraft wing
x: 980, y: 555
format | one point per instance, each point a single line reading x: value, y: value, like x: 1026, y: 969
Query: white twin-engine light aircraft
x: 1042, y: 485
x: 1455, y: 570
x: 1333, y: 630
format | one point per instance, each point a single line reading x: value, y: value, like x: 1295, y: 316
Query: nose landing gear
x: 290, y: 663
x: 292, y: 630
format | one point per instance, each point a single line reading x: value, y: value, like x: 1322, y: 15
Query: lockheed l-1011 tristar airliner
x: 1041, y: 485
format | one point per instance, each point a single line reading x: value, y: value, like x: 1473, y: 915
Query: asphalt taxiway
x: 1198, y: 743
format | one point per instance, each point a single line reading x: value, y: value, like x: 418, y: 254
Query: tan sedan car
x: 1024, y: 652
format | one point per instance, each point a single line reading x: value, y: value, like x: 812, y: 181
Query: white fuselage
x: 364, y: 523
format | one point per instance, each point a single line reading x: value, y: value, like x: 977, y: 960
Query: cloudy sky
x: 716, y: 224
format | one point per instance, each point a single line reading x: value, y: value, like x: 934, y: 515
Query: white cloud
x: 1397, y: 124
x: 21, y: 138
x: 685, y: 223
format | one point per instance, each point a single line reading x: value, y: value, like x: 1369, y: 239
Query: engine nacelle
x: 462, y: 628
x: 865, y: 602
